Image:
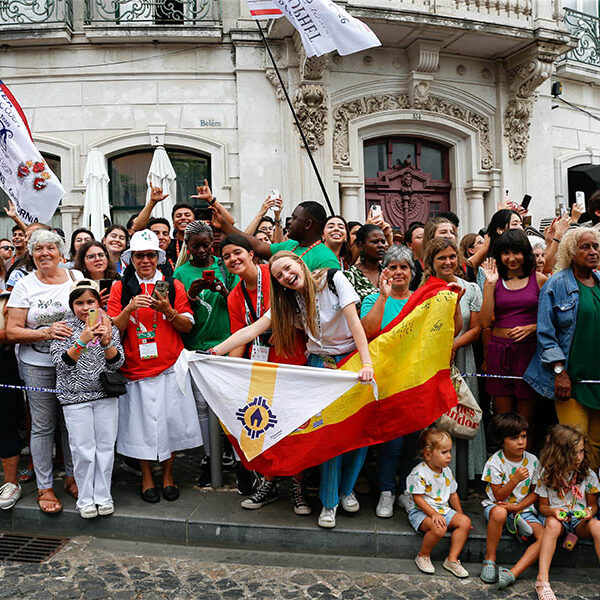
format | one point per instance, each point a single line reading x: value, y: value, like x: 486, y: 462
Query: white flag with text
x: 322, y: 24
x: 24, y: 174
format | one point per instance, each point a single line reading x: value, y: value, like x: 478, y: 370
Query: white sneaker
x: 88, y: 512
x: 455, y: 568
x: 424, y: 563
x: 404, y: 500
x: 106, y: 509
x: 9, y: 494
x: 350, y: 503
x: 385, y: 506
x: 327, y: 517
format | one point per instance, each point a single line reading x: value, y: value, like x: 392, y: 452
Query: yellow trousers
x: 587, y: 419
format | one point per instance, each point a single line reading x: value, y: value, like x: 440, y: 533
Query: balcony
x: 148, y: 20
x: 36, y: 21
x: 583, y: 61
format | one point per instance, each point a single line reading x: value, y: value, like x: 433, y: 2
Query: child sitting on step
x: 511, y: 475
x: 434, y: 506
x: 568, y: 491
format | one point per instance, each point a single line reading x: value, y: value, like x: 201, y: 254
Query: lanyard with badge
x: 258, y: 351
x: 147, y: 339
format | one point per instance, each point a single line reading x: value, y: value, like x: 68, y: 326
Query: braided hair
x: 196, y: 227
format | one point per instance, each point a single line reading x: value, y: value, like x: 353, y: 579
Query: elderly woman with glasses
x: 156, y: 416
x: 36, y: 311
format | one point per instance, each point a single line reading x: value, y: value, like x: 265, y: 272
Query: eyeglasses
x: 95, y: 256
x: 142, y: 255
x: 11, y: 248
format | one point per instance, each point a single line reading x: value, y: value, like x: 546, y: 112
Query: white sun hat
x: 143, y: 240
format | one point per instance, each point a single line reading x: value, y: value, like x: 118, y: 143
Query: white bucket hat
x: 143, y: 240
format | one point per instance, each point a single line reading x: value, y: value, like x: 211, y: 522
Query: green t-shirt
x: 211, y: 317
x: 391, y: 309
x: 583, y: 362
x: 318, y: 257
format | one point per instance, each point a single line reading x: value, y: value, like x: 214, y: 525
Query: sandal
x: 71, y: 487
x: 26, y: 475
x: 46, y: 498
x: 544, y: 591
x: 505, y: 578
x: 489, y: 573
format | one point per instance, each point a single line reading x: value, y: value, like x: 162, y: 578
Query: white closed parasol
x: 162, y: 175
x: 95, y: 204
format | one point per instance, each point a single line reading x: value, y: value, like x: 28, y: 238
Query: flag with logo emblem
x: 282, y: 426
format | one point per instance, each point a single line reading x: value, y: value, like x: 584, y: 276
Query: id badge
x: 147, y: 345
x: 259, y: 353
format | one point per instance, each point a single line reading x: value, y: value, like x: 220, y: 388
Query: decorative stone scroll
x: 348, y: 111
x: 310, y: 103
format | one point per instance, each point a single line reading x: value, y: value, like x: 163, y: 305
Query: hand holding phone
x: 375, y: 211
x: 208, y: 275
x: 525, y: 202
x: 160, y: 289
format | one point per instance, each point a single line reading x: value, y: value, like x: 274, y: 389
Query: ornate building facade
x: 451, y: 111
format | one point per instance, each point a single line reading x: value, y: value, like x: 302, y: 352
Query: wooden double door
x: 408, y: 178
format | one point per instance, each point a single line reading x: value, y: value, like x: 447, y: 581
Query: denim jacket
x: 557, y: 320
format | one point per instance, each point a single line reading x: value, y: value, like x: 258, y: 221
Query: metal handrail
x: 154, y: 12
x: 34, y: 12
x: 586, y: 28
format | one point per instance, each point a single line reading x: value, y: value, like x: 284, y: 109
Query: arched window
x: 128, y: 173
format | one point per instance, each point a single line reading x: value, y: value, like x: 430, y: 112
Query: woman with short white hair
x: 37, y: 308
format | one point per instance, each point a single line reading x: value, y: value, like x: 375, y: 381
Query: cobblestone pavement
x: 91, y: 569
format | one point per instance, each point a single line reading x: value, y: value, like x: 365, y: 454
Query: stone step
x: 215, y: 519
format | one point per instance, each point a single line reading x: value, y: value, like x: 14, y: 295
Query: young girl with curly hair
x: 568, y: 491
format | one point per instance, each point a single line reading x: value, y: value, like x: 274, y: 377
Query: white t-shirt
x: 436, y: 488
x: 336, y: 337
x: 47, y: 303
x: 566, y: 499
x: 498, y: 470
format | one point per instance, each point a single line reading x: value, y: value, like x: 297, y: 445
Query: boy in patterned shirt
x: 511, y: 475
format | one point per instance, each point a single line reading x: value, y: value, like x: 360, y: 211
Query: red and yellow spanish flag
x: 411, y: 358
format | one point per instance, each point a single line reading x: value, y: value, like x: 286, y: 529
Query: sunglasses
x: 11, y: 248
x: 142, y: 255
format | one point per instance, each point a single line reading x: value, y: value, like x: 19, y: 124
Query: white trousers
x: 92, y: 430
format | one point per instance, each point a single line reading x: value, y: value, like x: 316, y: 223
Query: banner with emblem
x: 260, y: 403
x: 24, y: 174
x: 411, y: 359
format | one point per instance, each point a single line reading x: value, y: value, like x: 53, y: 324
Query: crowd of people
x: 104, y: 322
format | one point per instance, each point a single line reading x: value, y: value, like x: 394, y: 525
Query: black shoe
x: 265, y: 494
x: 246, y: 480
x: 227, y: 458
x: 150, y: 495
x: 301, y: 506
x: 204, y: 476
x: 170, y: 493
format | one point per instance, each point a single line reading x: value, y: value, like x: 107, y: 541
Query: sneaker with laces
x: 350, y: 503
x: 301, y: 506
x: 385, y: 506
x: 106, y: 509
x: 246, y: 480
x: 424, y: 563
x: 523, y: 527
x: 405, y: 501
x: 204, y: 475
x: 88, y: 512
x: 264, y: 494
x: 455, y: 568
x: 9, y: 494
x: 327, y: 518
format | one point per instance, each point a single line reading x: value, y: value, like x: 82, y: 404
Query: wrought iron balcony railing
x: 153, y: 12
x: 586, y: 28
x: 35, y: 12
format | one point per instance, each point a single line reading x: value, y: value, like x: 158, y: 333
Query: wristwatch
x: 558, y: 369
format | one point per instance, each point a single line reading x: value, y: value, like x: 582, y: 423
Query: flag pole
x: 298, y: 124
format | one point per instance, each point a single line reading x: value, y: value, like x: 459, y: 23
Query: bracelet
x: 278, y: 222
x: 109, y: 345
x: 195, y: 299
x: 367, y: 365
x: 556, y: 240
x: 173, y: 316
x: 212, y: 352
x: 79, y: 344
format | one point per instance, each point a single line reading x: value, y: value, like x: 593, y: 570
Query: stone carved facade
x: 310, y: 103
x: 348, y: 111
x: 524, y: 78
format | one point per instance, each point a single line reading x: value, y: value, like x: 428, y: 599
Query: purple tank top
x: 516, y: 307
